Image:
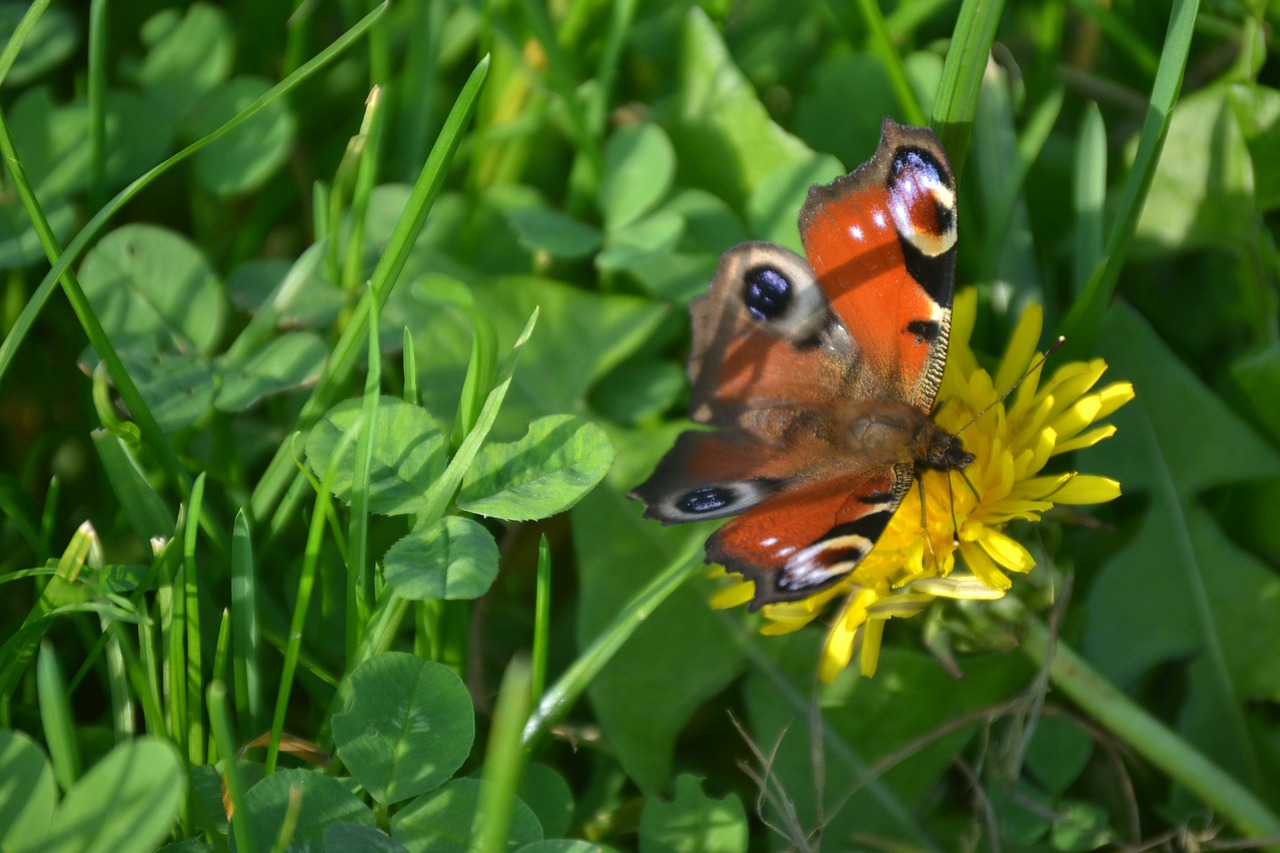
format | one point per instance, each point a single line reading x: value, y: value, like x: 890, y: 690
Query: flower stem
x: 1150, y: 738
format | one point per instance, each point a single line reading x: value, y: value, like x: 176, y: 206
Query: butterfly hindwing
x: 811, y: 536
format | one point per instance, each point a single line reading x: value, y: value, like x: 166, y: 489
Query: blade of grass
x: 442, y: 491
x: 504, y: 761
x: 61, y: 262
x: 244, y: 627
x: 220, y: 722
x: 479, y: 379
x: 14, y: 45
x: 1083, y: 321
x: 281, y: 474
x: 1089, y: 197
x: 410, y: 367
x: 1153, y: 740
x: 881, y: 43
x: 561, y: 696
x: 172, y: 588
x: 97, y: 103
x: 306, y: 585
x: 1029, y: 144
x: 541, y: 620
x: 956, y: 103
x: 220, y: 673
x: 56, y: 719
x: 196, y: 733
x: 360, y: 590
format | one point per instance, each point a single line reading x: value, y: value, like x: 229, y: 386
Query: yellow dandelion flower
x: 914, y: 562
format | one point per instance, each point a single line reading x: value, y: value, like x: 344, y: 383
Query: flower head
x: 964, y: 513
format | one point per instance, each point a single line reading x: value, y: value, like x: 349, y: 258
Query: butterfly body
x: 817, y: 375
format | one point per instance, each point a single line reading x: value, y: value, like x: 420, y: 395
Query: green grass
x: 320, y: 411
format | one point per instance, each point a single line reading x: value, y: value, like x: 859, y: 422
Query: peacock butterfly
x: 818, y: 376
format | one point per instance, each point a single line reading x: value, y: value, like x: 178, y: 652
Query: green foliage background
x: 401, y: 565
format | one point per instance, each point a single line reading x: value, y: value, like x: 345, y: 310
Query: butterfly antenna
x: 1036, y: 365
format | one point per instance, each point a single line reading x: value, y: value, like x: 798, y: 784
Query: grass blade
x: 1082, y: 323
x: 281, y: 472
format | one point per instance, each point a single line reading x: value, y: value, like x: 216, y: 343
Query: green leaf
x: 775, y: 205
x: 653, y: 236
x: 244, y: 159
x: 1257, y: 109
x: 408, y: 454
x: 694, y: 822
x: 153, y: 289
x: 354, y: 838
x: 1179, y: 592
x: 559, y: 460
x: 1080, y: 826
x: 639, y: 166
x: 581, y: 337
x: 443, y: 821
x: 178, y: 387
x: 557, y: 234
x: 724, y: 138
x: 1058, y: 753
x: 408, y: 728
x: 638, y: 390
x: 549, y: 797
x: 289, y: 361
x: 187, y: 55
x: 313, y: 801
x: 823, y: 117
x: 148, y: 514
x: 454, y: 558
x: 127, y: 802
x: 26, y: 810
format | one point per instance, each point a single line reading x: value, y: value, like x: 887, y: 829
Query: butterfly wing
x: 882, y: 241
x: 817, y: 373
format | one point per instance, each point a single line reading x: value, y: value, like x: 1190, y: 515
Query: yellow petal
x: 1022, y: 347
x: 836, y: 652
x: 957, y: 586
x: 1114, y: 396
x: 733, y: 596
x: 872, y: 633
x: 782, y: 626
x: 900, y: 605
x: 982, y: 566
x: 1006, y: 551
x: 1087, y: 439
x: 1076, y: 417
x: 1087, y: 489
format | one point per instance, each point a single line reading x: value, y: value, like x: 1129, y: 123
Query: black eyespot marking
x: 767, y: 292
x: 924, y: 330
x: 706, y: 499
x: 876, y: 498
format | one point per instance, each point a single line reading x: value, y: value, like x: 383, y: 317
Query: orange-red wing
x: 812, y: 535
x: 759, y: 349
x: 882, y: 243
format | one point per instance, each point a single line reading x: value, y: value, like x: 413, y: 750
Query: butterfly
x: 818, y: 374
